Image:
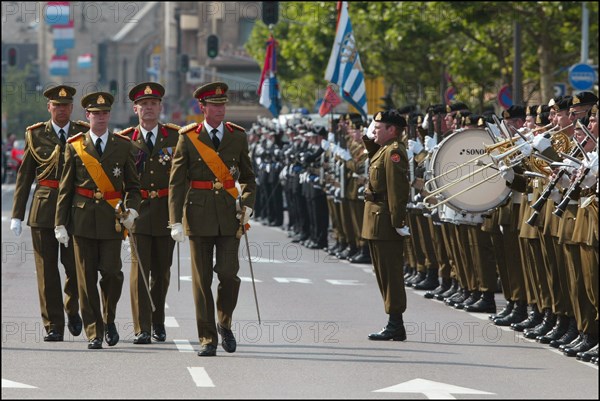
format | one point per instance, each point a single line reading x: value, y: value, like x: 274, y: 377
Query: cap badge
x: 101, y: 100
x: 218, y: 91
x: 576, y: 100
x: 62, y: 93
x: 148, y: 90
x: 378, y: 116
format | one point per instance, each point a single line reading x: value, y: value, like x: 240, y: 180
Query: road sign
x: 560, y: 89
x: 582, y: 77
x: 450, y: 94
x: 505, y: 96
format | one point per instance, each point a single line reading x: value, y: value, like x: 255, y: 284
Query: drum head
x: 461, y: 148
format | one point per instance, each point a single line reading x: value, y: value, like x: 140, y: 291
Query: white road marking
x: 344, y: 282
x: 201, y: 378
x: 171, y: 322
x: 12, y: 384
x: 432, y: 390
x: 183, y: 346
x: 292, y: 280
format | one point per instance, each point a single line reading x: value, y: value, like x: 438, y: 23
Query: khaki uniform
x: 91, y: 222
x: 209, y: 218
x: 41, y: 163
x: 385, y: 210
x: 151, y: 229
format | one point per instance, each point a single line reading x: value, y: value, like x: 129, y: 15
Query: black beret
x: 407, y: 109
x: 542, y: 119
x: 563, y: 104
x: 584, y: 99
x: 458, y: 106
x: 514, y: 111
x: 391, y: 117
x: 437, y: 109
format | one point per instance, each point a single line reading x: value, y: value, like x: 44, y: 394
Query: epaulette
x: 126, y: 131
x: 187, y: 128
x: 172, y: 126
x: 74, y: 137
x: 119, y: 135
x: 84, y: 123
x: 230, y: 127
x: 34, y: 126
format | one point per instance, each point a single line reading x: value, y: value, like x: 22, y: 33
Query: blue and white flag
x: 64, y: 36
x: 268, y: 90
x: 59, y: 65
x: 344, y: 67
x: 57, y: 13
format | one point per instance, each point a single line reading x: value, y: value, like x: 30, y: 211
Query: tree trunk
x: 546, y: 69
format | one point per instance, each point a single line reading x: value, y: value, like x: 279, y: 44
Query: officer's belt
x: 227, y: 184
x: 153, y: 193
x: 373, y: 197
x: 49, y: 183
x: 97, y: 194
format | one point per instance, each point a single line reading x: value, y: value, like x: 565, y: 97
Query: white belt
x: 530, y: 197
x: 583, y: 200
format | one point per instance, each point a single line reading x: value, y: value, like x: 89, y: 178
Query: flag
x: 344, y: 67
x: 57, y: 13
x: 64, y: 36
x: 59, y: 65
x: 330, y: 100
x: 268, y: 90
x: 84, y: 61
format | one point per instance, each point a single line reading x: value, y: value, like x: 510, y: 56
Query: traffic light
x: 212, y: 46
x: 12, y: 57
x: 184, y: 63
x: 389, y: 103
x: 270, y: 12
x: 113, y: 87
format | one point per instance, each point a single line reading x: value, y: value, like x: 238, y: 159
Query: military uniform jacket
x: 154, y: 169
x: 89, y: 217
x: 388, y: 178
x: 209, y: 212
x: 41, y: 140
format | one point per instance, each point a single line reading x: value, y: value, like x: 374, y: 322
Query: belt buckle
x: 98, y: 195
x: 153, y: 194
x: 217, y: 185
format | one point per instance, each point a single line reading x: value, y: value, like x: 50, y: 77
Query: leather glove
x: 15, y: 226
x: 131, y: 216
x: 371, y: 130
x: 556, y: 196
x: 404, y: 231
x: 541, y: 143
x: 177, y: 232
x: 246, y: 214
x: 62, y: 236
x: 415, y: 146
x: 430, y: 143
x: 506, y: 172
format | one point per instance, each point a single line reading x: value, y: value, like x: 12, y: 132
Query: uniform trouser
x: 425, y: 241
x: 583, y: 309
x: 156, y: 255
x: 510, y: 263
x: 320, y: 228
x: 589, y: 263
x: 93, y: 256
x: 346, y: 216
x: 543, y: 293
x: 482, y: 254
x: 414, y: 244
x: 560, y: 278
x: 448, y: 233
x: 531, y: 285
x: 45, y: 247
x: 445, y: 269
x: 334, y: 212
x: 358, y: 208
x: 227, y: 267
x: 387, y: 259
x: 468, y: 267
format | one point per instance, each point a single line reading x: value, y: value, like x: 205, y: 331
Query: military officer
x: 99, y: 172
x: 43, y: 161
x: 384, y: 224
x: 212, y: 191
x: 154, y: 144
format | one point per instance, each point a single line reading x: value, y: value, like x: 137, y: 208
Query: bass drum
x: 459, y: 149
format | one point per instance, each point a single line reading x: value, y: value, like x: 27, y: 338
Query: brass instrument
x: 560, y: 142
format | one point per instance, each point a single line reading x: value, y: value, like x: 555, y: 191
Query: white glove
x: 128, y: 221
x: 425, y: 123
x: 345, y: 154
x: 15, y: 226
x: 404, y: 231
x: 325, y: 144
x: 247, y: 214
x: 409, y: 153
x: 371, y: 130
x: 331, y: 137
x: 415, y: 146
x: 541, y: 143
x: 177, y: 232
x: 524, y: 147
x: 62, y: 236
x: 506, y: 172
x: 555, y: 195
x: 430, y: 143
x: 592, y: 176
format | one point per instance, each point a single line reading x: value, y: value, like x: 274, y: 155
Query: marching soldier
x: 210, y: 166
x: 99, y: 172
x: 384, y: 223
x: 43, y: 161
x: 154, y: 144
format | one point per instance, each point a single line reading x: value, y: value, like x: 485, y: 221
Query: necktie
x: 215, y: 139
x: 99, y: 146
x: 149, y: 141
x: 63, y: 138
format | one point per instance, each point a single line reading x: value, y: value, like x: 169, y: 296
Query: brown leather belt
x: 373, y: 197
x: 212, y: 185
x: 49, y: 183
x: 161, y: 193
x: 96, y: 194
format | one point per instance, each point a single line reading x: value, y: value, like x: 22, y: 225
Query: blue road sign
x: 582, y: 77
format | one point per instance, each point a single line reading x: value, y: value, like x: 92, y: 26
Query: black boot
x: 570, y: 335
x: 448, y: 293
x: 446, y: 283
x: 504, y: 312
x: 417, y: 278
x: 475, y: 295
x: 431, y: 281
x: 559, y: 330
x: 393, y: 331
x: 588, y: 355
x: 485, y: 304
x: 535, y: 318
x: 587, y: 343
x: 548, y: 321
x: 364, y: 256
x: 459, y: 297
x: 518, y: 314
x: 408, y: 273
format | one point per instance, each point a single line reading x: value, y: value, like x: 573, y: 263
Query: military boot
x: 588, y: 355
x: 417, y: 278
x: 393, y: 331
x: 449, y: 292
x: 548, y: 321
x: 443, y: 287
x: 504, y: 312
x: 364, y: 256
x: 408, y: 272
x: 431, y: 281
x: 588, y: 342
x: 518, y: 314
x: 485, y: 304
x: 535, y: 318
x: 475, y: 295
x: 560, y: 328
x: 570, y: 335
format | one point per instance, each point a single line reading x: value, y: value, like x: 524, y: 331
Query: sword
x: 178, y: 269
x: 245, y: 234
